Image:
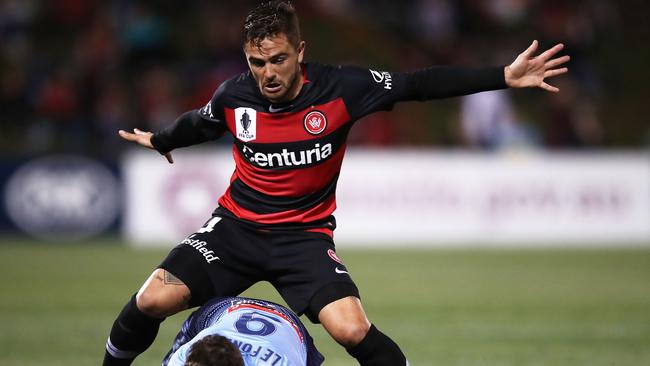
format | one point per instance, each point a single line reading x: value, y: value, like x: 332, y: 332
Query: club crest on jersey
x: 246, y: 121
x: 315, y: 122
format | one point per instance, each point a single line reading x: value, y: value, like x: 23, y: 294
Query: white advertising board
x: 419, y: 197
x: 166, y: 202
x: 422, y: 197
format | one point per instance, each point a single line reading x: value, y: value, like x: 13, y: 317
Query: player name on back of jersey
x: 264, y: 354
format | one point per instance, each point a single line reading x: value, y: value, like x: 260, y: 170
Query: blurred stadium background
x: 498, y: 229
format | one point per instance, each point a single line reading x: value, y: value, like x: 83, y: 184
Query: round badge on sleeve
x: 315, y: 122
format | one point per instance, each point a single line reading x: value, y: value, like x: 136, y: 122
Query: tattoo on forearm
x: 170, y: 279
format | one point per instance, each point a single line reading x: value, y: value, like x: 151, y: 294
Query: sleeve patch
x: 207, y: 110
x: 382, y: 77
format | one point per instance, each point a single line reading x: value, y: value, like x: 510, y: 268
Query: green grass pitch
x: 444, y: 307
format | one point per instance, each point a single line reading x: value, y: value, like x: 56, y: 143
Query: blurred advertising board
x: 395, y: 197
x: 564, y: 199
x: 166, y: 202
x: 61, y: 198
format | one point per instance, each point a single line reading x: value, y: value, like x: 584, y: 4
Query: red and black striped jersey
x: 288, y: 157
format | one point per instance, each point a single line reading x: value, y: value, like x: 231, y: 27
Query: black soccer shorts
x: 227, y: 256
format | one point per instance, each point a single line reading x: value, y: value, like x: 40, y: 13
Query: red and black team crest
x: 315, y: 122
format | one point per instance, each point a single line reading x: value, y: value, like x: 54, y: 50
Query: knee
x: 349, y: 334
x: 156, y: 304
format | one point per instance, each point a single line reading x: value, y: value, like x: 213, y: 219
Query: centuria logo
x: 315, y: 122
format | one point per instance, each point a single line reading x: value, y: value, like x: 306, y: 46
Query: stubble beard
x: 289, y: 91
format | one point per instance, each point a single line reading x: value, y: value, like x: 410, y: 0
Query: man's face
x: 275, y: 65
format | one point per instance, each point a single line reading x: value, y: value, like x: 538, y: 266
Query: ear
x: 301, y: 51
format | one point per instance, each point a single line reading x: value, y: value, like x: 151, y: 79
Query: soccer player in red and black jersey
x: 290, y: 120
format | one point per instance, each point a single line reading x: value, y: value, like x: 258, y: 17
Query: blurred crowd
x: 73, y: 72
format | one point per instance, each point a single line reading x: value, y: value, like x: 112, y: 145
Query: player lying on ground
x: 274, y: 223
x: 263, y: 332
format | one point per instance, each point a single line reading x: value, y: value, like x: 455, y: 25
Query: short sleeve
x: 178, y: 353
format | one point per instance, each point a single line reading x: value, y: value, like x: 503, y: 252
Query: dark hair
x: 271, y: 18
x: 214, y: 350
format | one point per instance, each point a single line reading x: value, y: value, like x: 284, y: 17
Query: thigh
x: 162, y: 295
x: 308, y: 273
x: 209, y: 262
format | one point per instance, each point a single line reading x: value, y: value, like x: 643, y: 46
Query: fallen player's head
x: 214, y: 350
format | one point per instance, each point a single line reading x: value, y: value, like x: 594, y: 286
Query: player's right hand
x: 142, y: 138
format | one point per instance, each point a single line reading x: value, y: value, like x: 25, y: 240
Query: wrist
x: 159, y: 144
x: 507, y: 75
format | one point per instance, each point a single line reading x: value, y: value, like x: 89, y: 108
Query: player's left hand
x: 530, y: 71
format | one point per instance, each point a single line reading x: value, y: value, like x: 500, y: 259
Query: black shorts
x: 227, y: 256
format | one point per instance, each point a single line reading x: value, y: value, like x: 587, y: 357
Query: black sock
x: 132, y: 333
x: 376, y: 349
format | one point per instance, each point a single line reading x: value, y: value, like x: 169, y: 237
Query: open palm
x: 528, y: 71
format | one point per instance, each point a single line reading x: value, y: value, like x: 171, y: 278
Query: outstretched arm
x: 528, y: 71
x: 142, y: 138
x: 190, y: 128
